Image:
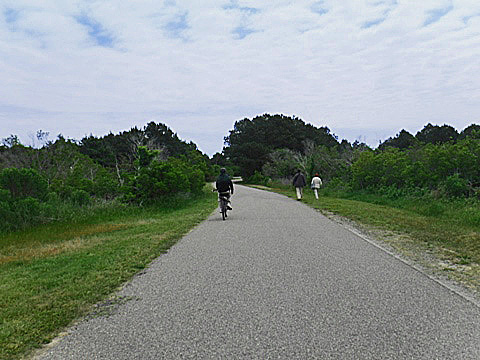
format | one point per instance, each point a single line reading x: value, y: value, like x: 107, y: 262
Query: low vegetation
x: 39, y: 185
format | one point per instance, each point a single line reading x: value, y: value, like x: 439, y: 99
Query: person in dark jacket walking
x: 299, y: 182
x: 224, y: 185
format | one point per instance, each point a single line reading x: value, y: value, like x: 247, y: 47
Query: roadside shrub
x: 431, y: 208
x: 27, y: 210
x: 281, y: 164
x: 196, y: 178
x: 193, y: 172
x: 63, y: 191
x: 7, y: 216
x: 157, y: 180
x: 80, y: 197
x: 455, y: 186
x: 52, y: 198
x: 337, y: 184
x: 105, y: 185
x: 285, y: 182
x: 258, y: 179
x: 5, y: 195
x: 161, y: 179
x: 23, y: 183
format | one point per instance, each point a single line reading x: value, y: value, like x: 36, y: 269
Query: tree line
x: 138, y: 166
x: 146, y: 165
x: 436, y: 159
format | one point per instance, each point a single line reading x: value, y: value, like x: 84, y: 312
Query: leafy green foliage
x: 258, y: 179
x: 329, y: 162
x: 456, y: 186
x: 80, y: 197
x: 282, y: 163
x: 434, y: 134
x: 118, y: 152
x: 403, y: 140
x: 250, y: 143
x: 140, y: 165
x: 22, y: 183
x: 436, y: 159
x: 26, y: 210
x: 156, y: 179
x: 451, y: 167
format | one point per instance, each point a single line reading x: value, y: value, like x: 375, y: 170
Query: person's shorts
x: 224, y: 194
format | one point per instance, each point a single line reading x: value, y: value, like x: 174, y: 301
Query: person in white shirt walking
x: 316, y: 183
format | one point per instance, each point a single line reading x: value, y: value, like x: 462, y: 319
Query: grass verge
x: 442, y: 236
x: 53, y: 274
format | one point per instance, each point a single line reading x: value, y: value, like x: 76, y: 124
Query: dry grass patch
x: 83, y: 238
x: 145, y: 222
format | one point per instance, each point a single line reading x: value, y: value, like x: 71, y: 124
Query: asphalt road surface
x: 277, y: 280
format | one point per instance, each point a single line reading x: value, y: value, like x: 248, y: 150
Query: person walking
x: 299, y: 182
x: 316, y: 183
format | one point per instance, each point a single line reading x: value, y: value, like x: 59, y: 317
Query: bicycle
x: 223, y: 200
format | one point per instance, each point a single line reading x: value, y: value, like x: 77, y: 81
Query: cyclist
x: 224, y: 185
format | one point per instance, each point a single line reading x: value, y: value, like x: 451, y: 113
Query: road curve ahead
x: 277, y: 280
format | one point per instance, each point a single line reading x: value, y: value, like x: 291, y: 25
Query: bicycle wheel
x: 223, y: 208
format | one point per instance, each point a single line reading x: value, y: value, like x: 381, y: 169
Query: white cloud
x: 366, y: 67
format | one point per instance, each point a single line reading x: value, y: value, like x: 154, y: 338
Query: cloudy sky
x: 364, y: 68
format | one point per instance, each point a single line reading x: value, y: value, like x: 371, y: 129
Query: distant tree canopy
x: 403, y: 140
x: 434, y: 134
x: 251, y: 141
x: 430, y: 134
x: 470, y: 131
x: 119, y: 151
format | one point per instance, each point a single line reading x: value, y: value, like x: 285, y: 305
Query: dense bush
x: 282, y: 163
x: 383, y: 169
x: 161, y: 179
x: 451, y: 168
x: 22, y: 183
x: 27, y: 210
x: 455, y: 186
x: 258, y: 179
x: 329, y: 162
x: 80, y: 197
x: 65, y: 177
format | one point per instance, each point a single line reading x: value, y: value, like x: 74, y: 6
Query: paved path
x: 278, y: 280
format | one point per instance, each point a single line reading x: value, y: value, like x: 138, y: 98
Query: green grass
x: 441, y: 234
x: 53, y: 274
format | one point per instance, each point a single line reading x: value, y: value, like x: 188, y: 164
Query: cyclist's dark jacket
x: 224, y: 183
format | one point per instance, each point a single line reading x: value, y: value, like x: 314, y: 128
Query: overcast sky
x: 364, y: 68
